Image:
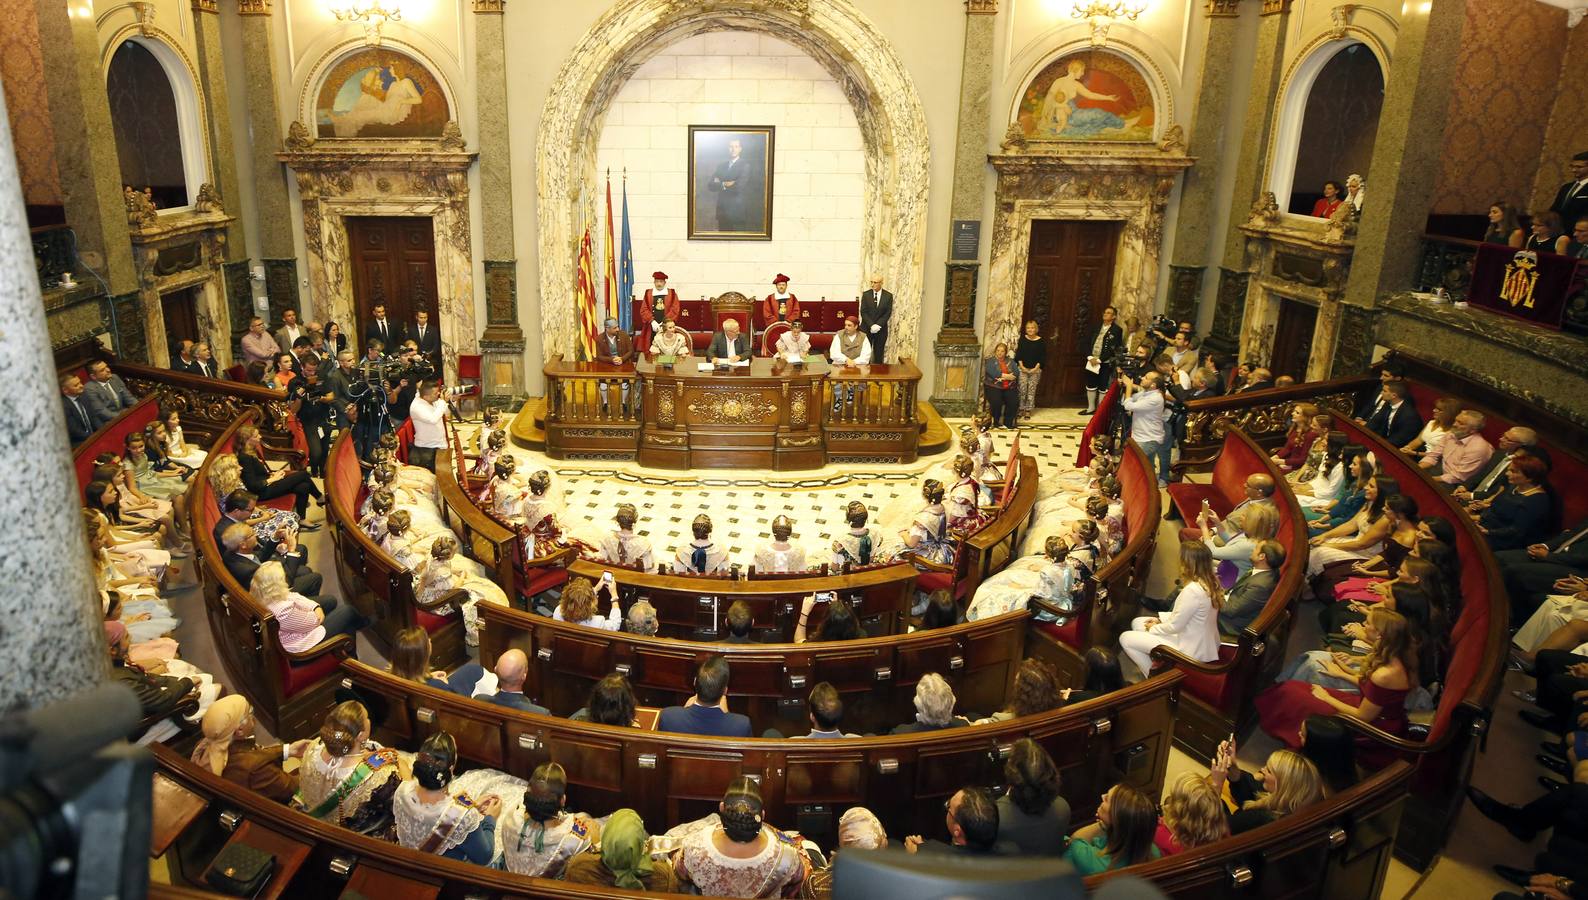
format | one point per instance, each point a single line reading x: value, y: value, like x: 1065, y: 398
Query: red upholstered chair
x: 694, y: 316
x: 405, y: 439
x: 769, y: 337
x: 469, y: 377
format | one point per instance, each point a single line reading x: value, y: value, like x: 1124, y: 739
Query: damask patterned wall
x: 27, y: 103
x: 1565, y: 136
x: 1507, y: 76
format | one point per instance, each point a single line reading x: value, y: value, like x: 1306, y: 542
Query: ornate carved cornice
x: 1273, y: 7
x: 206, y: 6
x: 253, y: 7
x: 1228, y: 8
x: 496, y: 7
x: 981, y: 7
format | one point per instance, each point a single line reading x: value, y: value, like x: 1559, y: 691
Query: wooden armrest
x: 928, y: 565
x: 341, y: 646
x: 1180, y: 661
x: 1187, y: 465
x: 456, y: 595
x: 559, y: 559
x: 1044, y: 606
x: 1368, y: 729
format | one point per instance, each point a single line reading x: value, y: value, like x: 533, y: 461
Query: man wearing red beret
x: 660, y: 307
x: 780, y: 306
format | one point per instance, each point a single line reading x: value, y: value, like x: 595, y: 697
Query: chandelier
x: 370, y: 13
x: 1103, y: 13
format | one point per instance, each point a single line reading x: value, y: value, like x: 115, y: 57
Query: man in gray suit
x: 728, y: 345
x: 1250, y: 594
x: 106, y: 395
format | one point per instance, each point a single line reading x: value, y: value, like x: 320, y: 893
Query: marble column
x: 1406, y: 163
x: 502, y: 344
x: 53, y: 644
x: 1198, y: 193
x: 218, y: 112
x: 1262, y: 105
x: 271, y: 197
x: 85, y: 143
x: 957, y: 384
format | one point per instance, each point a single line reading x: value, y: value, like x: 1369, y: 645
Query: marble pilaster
x: 1199, y: 193
x: 176, y: 252
x: 502, y: 344
x: 53, y: 644
x: 1261, y: 106
x: 1406, y: 164
x: 271, y: 198
x: 1293, y: 260
x: 212, y: 86
x: 85, y: 143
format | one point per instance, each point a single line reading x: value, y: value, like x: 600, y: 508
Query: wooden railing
x: 592, y: 393
x: 1263, y: 415
x: 209, y: 405
x: 1446, y: 262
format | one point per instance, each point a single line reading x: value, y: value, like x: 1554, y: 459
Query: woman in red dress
x: 1386, y: 675
x: 1329, y: 202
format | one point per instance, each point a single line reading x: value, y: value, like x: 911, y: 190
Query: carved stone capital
x: 1223, y: 8
x: 981, y: 7
x: 299, y: 137
x: 253, y: 7
x: 1274, y: 7
x: 496, y: 7
x: 206, y: 6
x: 144, y: 11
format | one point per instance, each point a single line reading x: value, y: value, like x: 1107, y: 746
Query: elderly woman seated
x: 934, y: 707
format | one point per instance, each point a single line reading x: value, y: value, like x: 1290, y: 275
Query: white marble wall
x: 740, y: 78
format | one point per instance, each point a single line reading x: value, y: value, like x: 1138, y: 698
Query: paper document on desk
x: 1093, y: 365
x: 707, y: 367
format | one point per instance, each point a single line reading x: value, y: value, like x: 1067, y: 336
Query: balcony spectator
x: 1333, y: 196
x: 1548, y: 236
x: 1503, y: 226
x: 1571, y: 201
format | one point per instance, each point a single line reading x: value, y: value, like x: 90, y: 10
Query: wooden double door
x: 393, y: 259
x: 1069, y: 280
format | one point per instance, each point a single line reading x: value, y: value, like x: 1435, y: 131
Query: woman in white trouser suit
x: 1192, y: 627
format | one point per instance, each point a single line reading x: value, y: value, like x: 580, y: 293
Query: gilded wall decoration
x: 799, y: 414
x: 27, y: 104
x: 733, y: 406
x: 1091, y: 95
x: 1508, y: 65
x: 379, y: 92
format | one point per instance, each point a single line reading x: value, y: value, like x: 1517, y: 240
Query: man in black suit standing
x: 512, y: 669
x: 1571, y: 201
x: 79, y: 421
x: 1397, y: 420
x: 876, y: 308
x: 426, y: 337
x: 382, y: 328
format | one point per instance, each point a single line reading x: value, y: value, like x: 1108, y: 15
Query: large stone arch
x: 837, y: 36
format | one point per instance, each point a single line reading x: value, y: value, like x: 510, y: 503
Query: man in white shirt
x: 428, y: 413
x: 1145, y: 404
x: 851, y: 349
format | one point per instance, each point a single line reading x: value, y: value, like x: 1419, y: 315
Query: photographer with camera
x: 311, y: 400
x: 1145, y: 403
x: 428, y: 413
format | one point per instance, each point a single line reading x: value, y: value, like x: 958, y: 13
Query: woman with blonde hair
x: 1259, y: 523
x: 1287, y: 782
x: 1193, y: 816
x: 1192, y: 626
x: 304, y: 623
x: 265, y: 485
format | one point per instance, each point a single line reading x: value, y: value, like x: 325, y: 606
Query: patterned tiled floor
x: 743, y: 503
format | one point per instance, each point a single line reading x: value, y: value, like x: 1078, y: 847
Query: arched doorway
x: 1328, y: 123
x: 832, y: 32
x: 153, y: 112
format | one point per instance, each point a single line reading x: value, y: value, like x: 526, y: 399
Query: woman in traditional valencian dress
x: 346, y: 780
x: 626, y: 548
x: 538, y: 512
x: 377, y: 510
x: 734, y: 853
x: 399, y: 543
x: 964, y: 511
x: 861, y: 545
x: 448, y: 571
x: 539, y: 836
x: 495, y: 449
x: 1054, y: 576
x: 928, y: 536
x: 501, y: 496
x: 433, y: 816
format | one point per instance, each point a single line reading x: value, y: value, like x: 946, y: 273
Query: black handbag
x: 240, y: 870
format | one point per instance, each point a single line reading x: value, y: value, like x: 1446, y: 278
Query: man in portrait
x: 734, y: 183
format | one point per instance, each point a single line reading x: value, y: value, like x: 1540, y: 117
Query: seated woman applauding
x: 1192, y: 627
x: 431, y: 819
x: 346, y: 780
x: 735, y: 853
x: 1385, y: 677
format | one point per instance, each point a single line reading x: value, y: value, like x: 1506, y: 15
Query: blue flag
x: 626, y: 268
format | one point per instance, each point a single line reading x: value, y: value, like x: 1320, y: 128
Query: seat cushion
x: 1215, y: 690
x: 1068, y: 632
x: 298, y: 677
x: 541, y: 580
x: 433, y: 623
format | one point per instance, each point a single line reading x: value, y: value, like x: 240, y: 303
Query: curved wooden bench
x: 289, y: 691
x: 1264, y: 415
x: 110, y: 438
x: 1219, y: 695
x: 770, y: 682
x: 670, y: 778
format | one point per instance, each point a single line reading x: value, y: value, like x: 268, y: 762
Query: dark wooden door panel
x: 1069, y: 279
x: 1293, y: 338
x: 393, y: 261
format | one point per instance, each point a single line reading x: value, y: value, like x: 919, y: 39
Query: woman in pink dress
x: 1384, y: 678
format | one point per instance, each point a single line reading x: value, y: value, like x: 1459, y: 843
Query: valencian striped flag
x: 584, y: 300
x: 626, y: 268
x: 609, y: 284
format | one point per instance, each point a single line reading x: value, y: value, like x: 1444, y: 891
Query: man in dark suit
x: 512, y: 669
x: 300, y: 351
x: 79, y: 419
x: 427, y: 337
x: 1373, y: 400
x: 382, y: 328
x: 244, y: 554
x: 204, y: 362
x: 1106, y: 344
x: 876, y: 308
x: 1397, y: 420
x: 706, y: 712
x: 1571, y: 201
x: 733, y: 182
x: 1490, y: 479
x: 1261, y: 379
x: 184, y: 361
x: 728, y: 345
x: 106, y: 394
x: 1530, y: 574
x: 1251, y: 592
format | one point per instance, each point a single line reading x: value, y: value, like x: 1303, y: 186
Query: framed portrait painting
x: 730, y: 183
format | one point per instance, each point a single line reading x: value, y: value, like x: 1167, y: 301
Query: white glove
x: 876, y: 328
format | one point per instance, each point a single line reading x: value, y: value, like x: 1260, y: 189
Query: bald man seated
x: 1259, y: 490
x: 512, y: 668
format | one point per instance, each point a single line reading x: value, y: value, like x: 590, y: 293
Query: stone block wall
x: 736, y: 78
